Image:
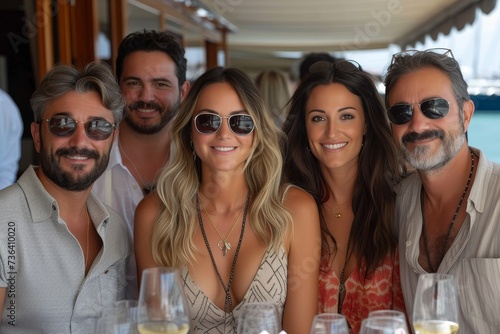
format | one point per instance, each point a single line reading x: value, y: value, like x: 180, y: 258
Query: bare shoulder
x: 148, y: 209
x: 299, y: 201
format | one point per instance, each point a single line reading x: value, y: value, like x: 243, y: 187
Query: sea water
x: 484, y: 133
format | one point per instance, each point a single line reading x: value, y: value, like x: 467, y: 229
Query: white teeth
x: 146, y: 110
x: 224, y: 149
x: 334, y: 146
x: 77, y: 157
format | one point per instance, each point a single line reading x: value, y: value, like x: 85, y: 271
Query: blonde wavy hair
x: 178, y: 183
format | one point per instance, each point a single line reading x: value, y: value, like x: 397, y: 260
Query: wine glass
x: 329, y: 323
x: 254, y: 318
x: 162, y: 307
x: 387, y: 313
x: 379, y: 324
x: 121, y: 318
x: 435, y: 309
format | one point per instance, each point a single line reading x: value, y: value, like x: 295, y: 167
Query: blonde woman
x: 273, y: 87
x: 222, y: 217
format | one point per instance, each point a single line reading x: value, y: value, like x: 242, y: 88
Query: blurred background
x: 256, y: 35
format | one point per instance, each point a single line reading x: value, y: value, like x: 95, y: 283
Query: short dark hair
x: 151, y: 40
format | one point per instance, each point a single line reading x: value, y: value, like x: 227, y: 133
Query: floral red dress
x: 380, y: 291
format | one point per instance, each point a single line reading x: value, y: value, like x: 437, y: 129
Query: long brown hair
x: 374, y: 197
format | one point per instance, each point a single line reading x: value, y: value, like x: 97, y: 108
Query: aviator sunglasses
x: 208, y: 123
x: 402, y: 113
x: 65, y: 126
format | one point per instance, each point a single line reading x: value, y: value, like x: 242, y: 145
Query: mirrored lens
x: 400, y: 113
x: 241, y: 124
x: 207, y: 123
x: 432, y: 108
x: 96, y: 129
x: 435, y: 108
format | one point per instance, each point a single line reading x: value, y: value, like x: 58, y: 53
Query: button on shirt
x: 474, y: 256
x: 42, y: 264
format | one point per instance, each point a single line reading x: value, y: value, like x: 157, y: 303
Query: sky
x: 475, y: 47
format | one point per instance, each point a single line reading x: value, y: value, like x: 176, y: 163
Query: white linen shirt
x: 118, y: 188
x: 42, y: 265
x: 474, y: 256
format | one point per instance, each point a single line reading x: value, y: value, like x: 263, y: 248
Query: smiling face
x: 426, y: 143
x: 73, y: 162
x: 222, y: 150
x: 151, y: 89
x: 335, y: 125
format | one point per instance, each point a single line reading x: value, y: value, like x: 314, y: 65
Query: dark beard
x: 51, y: 168
x: 166, y: 116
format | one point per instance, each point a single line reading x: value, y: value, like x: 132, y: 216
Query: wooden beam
x: 45, y: 41
x: 211, y: 50
x: 64, y: 32
x: 84, y: 32
x: 118, y: 21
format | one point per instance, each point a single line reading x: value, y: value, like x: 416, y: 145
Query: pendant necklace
x: 228, y: 303
x: 223, y: 244
x: 146, y: 187
x: 424, y: 234
x: 335, y: 213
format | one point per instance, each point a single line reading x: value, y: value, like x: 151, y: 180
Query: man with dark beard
x: 151, y: 71
x: 448, y: 211
x: 63, y: 253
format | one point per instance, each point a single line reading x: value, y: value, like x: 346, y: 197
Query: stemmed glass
x: 121, y: 318
x: 162, y: 307
x: 329, y: 323
x: 435, y: 309
x: 379, y: 324
x: 387, y: 313
x: 255, y: 318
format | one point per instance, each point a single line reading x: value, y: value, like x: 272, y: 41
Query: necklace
x: 228, y: 303
x: 337, y: 214
x: 223, y: 244
x: 146, y: 187
x: 426, y: 245
x: 342, y: 289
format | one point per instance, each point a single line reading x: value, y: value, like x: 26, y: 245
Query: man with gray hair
x: 448, y: 211
x: 63, y: 252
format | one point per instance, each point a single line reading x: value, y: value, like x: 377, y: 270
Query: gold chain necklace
x: 337, y: 214
x: 223, y: 244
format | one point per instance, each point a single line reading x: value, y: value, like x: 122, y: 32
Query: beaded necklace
x: 448, y: 235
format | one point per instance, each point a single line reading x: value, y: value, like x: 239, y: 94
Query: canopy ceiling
x: 264, y: 26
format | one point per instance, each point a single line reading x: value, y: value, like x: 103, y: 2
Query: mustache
x: 144, y: 105
x: 85, y: 152
x: 429, y: 134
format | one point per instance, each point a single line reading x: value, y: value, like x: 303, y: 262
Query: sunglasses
x: 443, y: 52
x: 65, y: 126
x: 432, y: 108
x: 345, y: 66
x: 208, y: 123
